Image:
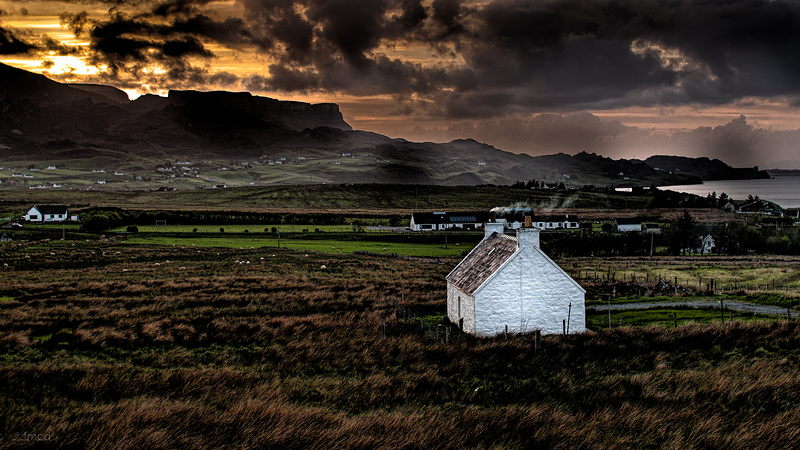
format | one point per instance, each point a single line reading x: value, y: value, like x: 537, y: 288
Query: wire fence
x: 446, y: 332
x: 440, y: 331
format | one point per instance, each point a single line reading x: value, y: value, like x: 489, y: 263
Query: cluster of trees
x: 682, y: 236
x: 534, y: 184
x: 733, y: 238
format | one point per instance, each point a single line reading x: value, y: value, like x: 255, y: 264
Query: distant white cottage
x: 46, y: 213
x: 508, y: 281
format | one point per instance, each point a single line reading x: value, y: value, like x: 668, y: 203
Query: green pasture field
x: 666, y: 317
x: 768, y: 279
x: 314, y: 245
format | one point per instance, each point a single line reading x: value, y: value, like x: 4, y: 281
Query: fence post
x: 461, y: 325
x: 447, y: 335
x: 506, y: 332
x: 564, y: 326
x: 383, y: 329
x: 537, y: 337
x: 675, y: 320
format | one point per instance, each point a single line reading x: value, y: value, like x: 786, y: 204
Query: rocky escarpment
x: 294, y: 115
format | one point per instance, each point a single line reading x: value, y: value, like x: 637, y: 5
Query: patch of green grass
x: 6, y: 299
x: 315, y: 245
x: 667, y: 317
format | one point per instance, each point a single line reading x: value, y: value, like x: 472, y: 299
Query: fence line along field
x: 111, y: 344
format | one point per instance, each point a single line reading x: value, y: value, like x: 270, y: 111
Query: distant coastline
x: 782, y: 188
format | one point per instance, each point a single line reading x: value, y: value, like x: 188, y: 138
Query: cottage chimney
x: 528, y: 222
x: 527, y: 237
x: 493, y: 227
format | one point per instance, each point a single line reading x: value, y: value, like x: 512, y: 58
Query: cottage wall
x: 539, y: 300
x: 467, y: 308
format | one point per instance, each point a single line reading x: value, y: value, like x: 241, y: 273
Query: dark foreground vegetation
x: 112, y: 345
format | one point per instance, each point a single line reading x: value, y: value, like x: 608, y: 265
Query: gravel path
x: 702, y: 304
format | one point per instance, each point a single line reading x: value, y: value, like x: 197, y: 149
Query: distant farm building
x: 510, y: 282
x: 433, y: 221
x: 46, y: 213
x: 627, y: 225
x: 652, y: 228
x: 514, y: 218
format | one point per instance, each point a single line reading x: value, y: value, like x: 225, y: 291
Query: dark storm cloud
x: 165, y: 32
x: 537, y: 55
x: 10, y: 44
x: 519, y: 56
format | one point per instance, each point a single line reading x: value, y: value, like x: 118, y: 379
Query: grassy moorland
x: 115, y: 345
x: 321, y: 197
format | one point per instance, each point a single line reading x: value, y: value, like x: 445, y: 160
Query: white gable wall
x: 33, y: 215
x: 539, y: 300
x: 466, y: 310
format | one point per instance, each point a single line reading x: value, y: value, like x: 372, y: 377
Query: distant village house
x: 627, y: 225
x: 46, y: 213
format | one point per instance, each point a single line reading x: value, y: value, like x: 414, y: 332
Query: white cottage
x: 46, y: 213
x: 510, y: 281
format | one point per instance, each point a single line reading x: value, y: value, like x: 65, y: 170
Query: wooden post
x: 447, y: 335
x: 675, y: 320
x: 569, y: 313
x: 620, y: 322
x: 730, y: 316
x: 537, y: 337
x: 788, y: 313
x: 722, y: 310
x: 564, y: 327
x: 383, y: 329
x: 506, y: 332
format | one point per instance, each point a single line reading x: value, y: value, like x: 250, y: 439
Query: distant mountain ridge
x: 43, y: 120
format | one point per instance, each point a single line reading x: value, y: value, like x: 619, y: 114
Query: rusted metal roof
x: 482, y: 262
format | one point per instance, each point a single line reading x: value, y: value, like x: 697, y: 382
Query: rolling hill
x: 272, y: 141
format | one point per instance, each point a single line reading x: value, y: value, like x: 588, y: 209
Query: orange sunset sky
x: 620, y: 78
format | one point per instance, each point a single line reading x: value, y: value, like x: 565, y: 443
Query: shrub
x: 132, y: 229
x: 221, y: 229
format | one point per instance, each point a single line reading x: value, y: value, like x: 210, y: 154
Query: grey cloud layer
x: 520, y: 56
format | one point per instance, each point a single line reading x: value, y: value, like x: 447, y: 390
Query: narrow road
x: 699, y: 303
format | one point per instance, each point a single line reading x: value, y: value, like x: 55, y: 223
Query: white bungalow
x: 509, y: 281
x: 623, y: 225
x: 46, y: 213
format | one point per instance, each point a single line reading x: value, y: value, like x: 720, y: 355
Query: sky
x: 621, y: 78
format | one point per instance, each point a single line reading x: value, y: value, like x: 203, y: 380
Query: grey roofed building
x: 422, y: 221
x: 483, y: 262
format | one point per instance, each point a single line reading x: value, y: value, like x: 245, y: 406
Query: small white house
x: 46, y: 213
x: 627, y: 225
x: 509, y: 281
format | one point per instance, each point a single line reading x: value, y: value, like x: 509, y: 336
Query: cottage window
x: 34, y: 217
